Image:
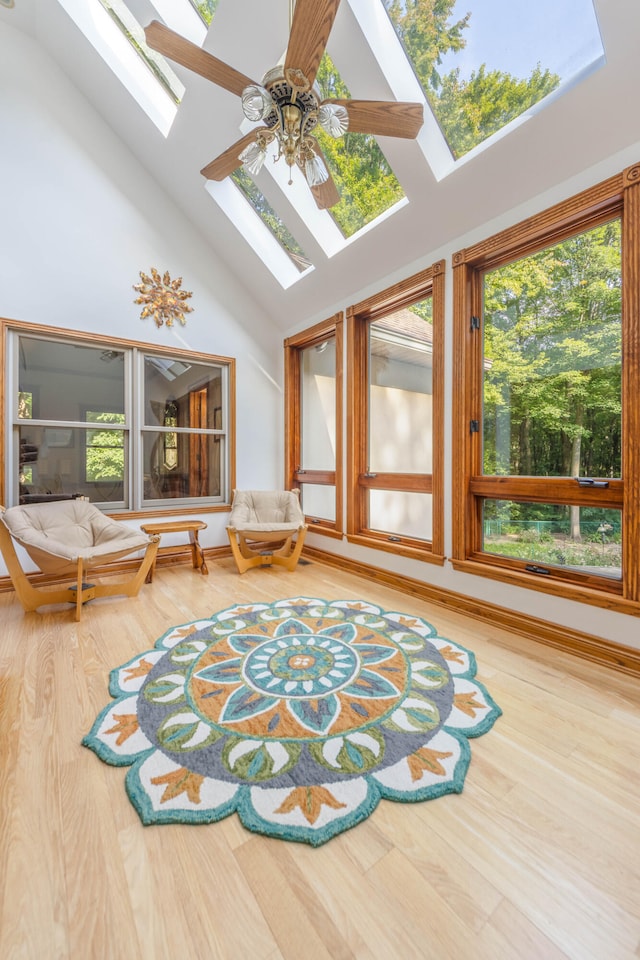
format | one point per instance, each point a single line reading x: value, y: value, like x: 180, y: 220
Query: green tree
x: 105, y: 449
x: 468, y: 111
x: 365, y: 181
x: 552, y: 378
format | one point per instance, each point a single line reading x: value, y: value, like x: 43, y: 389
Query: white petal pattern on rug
x: 300, y: 716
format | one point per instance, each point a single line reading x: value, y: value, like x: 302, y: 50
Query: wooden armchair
x: 70, y: 538
x: 262, y: 527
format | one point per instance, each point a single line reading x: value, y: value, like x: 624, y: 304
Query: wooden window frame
x: 427, y: 283
x: 186, y: 506
x: 619, y: 196
x: 294, y: 471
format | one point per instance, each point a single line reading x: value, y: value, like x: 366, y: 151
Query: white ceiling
x: 590, y: 122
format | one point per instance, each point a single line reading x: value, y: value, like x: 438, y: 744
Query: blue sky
x: 515, y: 35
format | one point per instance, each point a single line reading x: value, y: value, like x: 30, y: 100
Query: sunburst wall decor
x: 162, y: 298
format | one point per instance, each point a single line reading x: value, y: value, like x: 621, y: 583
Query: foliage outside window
x: 472, y: 108
x: 365, y: 181
x: 127, y: 428
x: 120, y: 13
x: 206, y: 9
x: 395, y: 391
x: 313, y: 436
x: 104, y: 448
x: 545, y: 344
x: 271, y: 219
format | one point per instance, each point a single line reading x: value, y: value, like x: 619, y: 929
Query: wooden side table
x: 192, y: 527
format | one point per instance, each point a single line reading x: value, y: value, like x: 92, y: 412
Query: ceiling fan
x: 288, y: 102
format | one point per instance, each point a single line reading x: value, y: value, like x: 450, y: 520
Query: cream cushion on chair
x: 57, y: 534
x: 266, y: 516
x: 67, y: 538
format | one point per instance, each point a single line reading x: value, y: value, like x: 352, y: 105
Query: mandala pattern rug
x: 299, y: 716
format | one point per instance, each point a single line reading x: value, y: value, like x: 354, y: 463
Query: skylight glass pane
x: 120, y: 13
x: 365, y: 181
x: 483, y: 63
x: 206, y: 9
x: 271, y: 219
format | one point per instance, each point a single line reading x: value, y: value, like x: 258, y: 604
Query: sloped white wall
x: 80, y: 217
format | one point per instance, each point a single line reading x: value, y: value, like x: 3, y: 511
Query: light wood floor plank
x: 537, y: 859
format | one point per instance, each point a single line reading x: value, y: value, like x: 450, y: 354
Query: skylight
x: 484, y: 63
x: 271, y: 219
x: 365, y: 181
x: 116, y: 33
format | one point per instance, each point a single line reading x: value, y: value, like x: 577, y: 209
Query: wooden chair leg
x: 79, y: 583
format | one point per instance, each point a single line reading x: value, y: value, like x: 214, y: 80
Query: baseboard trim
x: 586, y: 646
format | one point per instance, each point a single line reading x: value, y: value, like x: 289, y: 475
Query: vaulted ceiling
x: 589, y: 122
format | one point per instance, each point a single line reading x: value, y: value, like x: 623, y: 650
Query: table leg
x: 199, y: 562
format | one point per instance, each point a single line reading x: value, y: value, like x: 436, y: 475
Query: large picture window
x: 394, y: 472
x: 127, y: 427
x: 547, y: 363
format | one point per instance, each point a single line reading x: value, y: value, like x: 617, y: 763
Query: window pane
x: 65, y: 461
x: 198, y: 470
x: 271, y: 219
x: 67, y: 380
x: 400, y: 391
x: 182, y: 391
x: 366, y: 183
x: 404, y: 514
x: 482, y: 64
x: 318, y: 401
x: 133, y: 31
x: 318, y: 500
x: 587, y: 539
x: 552, y: 360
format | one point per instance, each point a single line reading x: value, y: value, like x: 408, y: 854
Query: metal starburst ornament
x: 162, y: 298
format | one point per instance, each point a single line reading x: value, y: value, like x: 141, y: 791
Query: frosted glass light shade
x: 315, y: 171
x: 334, y: 119
x: 256, y: 102
x: 252, y: 157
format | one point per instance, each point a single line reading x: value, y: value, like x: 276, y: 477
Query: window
x: 484, y: 65
x: 395, y: 443
x: 546, y: 459
x: 313, y: 377
x: 128, y: 428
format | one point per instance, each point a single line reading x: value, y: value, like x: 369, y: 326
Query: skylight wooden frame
x: 619, y: 196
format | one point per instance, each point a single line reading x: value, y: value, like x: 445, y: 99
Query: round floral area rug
x: 299, y: 715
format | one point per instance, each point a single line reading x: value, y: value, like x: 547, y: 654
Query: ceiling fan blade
x: 310, y: 29
x: 384, y: 118
x: 325, y: 194
x: 176, y: 48
x: 228, y: 161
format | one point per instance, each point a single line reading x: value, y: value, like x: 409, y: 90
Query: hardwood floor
x: 537, y: 859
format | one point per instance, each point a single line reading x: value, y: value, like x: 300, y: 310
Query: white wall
x: 615, y: 627
x: 80, y: 218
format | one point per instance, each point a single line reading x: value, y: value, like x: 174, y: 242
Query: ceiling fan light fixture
x: 315, y: 171
x: 253, y: 157
x: 334, y: 119
x: 256, y: 102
